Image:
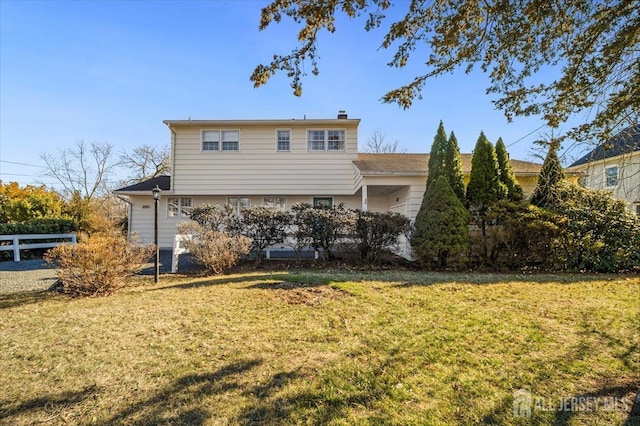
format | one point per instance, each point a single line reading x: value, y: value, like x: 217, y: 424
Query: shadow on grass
x: 52, y: 404
x: 180, y: 403
x: 12, y: 300
x: 223, y: 279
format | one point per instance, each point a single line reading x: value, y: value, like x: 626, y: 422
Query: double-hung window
x: 179, y: 207
x: 611, y: 175
x: 326, y: 140
x: 211, y: 140
x: 283, y: 140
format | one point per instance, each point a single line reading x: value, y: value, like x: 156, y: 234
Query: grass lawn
x: 327, y: 347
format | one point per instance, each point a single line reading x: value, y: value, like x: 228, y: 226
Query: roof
x: 625, y: 142
x: 417, y: 164
x: 276, y: 122
x: 163, y: 182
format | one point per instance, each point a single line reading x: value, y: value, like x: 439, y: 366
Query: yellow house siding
x: 258, y: 167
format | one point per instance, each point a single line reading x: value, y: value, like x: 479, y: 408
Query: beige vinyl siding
x: 258, y: 168
x: 628, y: 186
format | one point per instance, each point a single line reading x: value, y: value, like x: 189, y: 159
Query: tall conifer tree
x: 453, y: 167
x: 437, y: 155
x: 442, y: 225
x: 507, y: 176
x: 484, y: 187
x: 550, y: 174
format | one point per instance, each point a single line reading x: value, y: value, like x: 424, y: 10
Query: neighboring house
x: 278, y: 163
x: 614, y: 166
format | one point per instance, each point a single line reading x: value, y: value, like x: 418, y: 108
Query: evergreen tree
x: 507, y: 176
x: 453, y: 167
x: 484, y: 188
x: 550, y: 175
x: 442, y: 225
x: 437, y: 155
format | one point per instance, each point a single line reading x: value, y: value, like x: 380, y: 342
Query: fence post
x: 16, y: 248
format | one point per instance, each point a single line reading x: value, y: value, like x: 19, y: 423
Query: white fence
x: 16, y: 246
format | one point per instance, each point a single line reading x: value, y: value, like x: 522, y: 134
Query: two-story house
x: 614, y: 166
x: 277, y: 163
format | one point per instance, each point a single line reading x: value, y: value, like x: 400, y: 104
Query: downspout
x: 130, y: 214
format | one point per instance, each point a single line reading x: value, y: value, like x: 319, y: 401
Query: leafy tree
x: 589, y: 46
x: 507, y: 176
x: 441, y: 226
x: 453, y: 167
x: 20, y: 204
x: 545, y: 193
x: 437, y: 155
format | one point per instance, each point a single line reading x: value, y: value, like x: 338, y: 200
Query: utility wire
x: 526, y: 136
x: 19, y: 164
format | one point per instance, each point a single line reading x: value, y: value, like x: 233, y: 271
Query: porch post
x: 364, y: 198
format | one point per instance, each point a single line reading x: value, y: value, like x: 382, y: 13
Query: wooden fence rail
x: 16, y: 246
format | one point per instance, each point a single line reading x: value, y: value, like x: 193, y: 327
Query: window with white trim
x: 275, y: 202
x: 638, y: 209
x: 211, y: 140
x: 179, y: 207
x: 283, y: 140
x: 239, y: 203
x: 611, y: 175
x: 326, y: 140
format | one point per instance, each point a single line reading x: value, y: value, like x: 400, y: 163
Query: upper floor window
x: 326, y: 140
x: 283, y: 140
x: 276, y: 203
x: 638, y: 209
x: 179, y: 207
x: 211, y: 140
x: 611, y: 174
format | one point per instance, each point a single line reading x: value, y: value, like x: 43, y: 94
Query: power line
x: 20, y: 164
x: 16, y: 174
x: 526, y: 136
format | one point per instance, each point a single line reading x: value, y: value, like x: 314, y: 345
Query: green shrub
x: 98, y: 265
x: 374, y: 233
x: 598, y: 233
x: 39, y: 226
x: 265, y: 227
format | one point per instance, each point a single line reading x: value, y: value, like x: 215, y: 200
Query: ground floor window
x: 322, y: 202
x: 179, y: 207
x: 239, y: 203
x: 275, y: 202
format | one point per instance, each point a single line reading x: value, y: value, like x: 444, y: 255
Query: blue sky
x: 111, y: 71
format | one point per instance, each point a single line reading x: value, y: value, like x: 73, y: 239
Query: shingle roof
x: 163, y: 182
x: 625, y: 142
x: 417, y: 164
